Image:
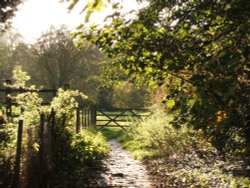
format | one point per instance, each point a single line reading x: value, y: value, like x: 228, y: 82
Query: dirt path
x: 122, y: 170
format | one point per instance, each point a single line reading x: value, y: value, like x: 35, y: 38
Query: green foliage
x: 111, y: 132
x: 89, y: 146
x: 55, y: 149
x: 65, y: 102
x: 7, y: 10
x: 29, y: 102
x: 163, y: 138
x: 200, y: 49
x: 128, y: 95
x: 180, y: 157
x: 7, y: 148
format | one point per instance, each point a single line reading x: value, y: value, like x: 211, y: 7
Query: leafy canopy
x: 199, y: 50
x: 7, y: 10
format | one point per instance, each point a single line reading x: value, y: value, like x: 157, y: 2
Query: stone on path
x: 122, y: 170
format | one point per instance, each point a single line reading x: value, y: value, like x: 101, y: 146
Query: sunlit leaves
x: 170, y: 103
x: 20, y: 77
x: 29, y: 102
x: 65, y: 102
x: 90, y: 7
x: 203, y: 45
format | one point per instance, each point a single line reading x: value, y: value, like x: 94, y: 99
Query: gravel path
x: 122, y: 170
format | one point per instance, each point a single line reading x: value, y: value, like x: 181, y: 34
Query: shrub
x: 53, y: 155
x: 180, y: 157
x: 7, y: 153
x: 156, y: 133
x: 88, y: 146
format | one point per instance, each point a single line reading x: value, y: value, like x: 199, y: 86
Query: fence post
x: 85, y: 118
x: 88, y: 118
x: 93, y: 116
x: 52, y: 129
x: 51, y: 121
x: 77, y: 120
x: 41, y: 138
x: 16, y: 181
x: 82, y: 119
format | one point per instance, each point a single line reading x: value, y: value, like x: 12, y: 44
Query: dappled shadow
x: 121, y: 170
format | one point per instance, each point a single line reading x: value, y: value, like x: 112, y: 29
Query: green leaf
x: 170, y: 103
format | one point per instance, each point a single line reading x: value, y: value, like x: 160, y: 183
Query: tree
x: 7, y: 10
x: 8, y: 43
x: 55, y: 61
x: 200, y: 50
x: 4, y: 61
x: 56, y: 58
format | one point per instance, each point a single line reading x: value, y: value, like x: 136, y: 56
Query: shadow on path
x: 121, y: 170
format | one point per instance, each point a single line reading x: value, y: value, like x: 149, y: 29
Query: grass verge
x: 111, y: 132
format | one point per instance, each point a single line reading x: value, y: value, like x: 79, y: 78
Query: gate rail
x: 118, y: 117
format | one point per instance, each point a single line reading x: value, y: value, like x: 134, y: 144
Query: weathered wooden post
x: 88, y: 118
x: 93, y: 115
x: 77, y: 120
x: 16, y: 181
x: 41, y: 138
x: 85, y: 118
x: 52, y: 128
x: 82, y: 118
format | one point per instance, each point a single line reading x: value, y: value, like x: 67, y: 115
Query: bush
x: 88, y: 146
x: 7, y: 154
x: 157, y: 134
x: 180, y: 157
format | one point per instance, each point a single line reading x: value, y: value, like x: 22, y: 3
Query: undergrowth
x: 111, y: 132
x: 181, y: 157
x: 53, y: 154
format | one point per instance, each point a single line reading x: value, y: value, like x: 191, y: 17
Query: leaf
x: 89, y: 12
x: 182, y: 33
x: 170, y: 103
x: 36, y: 147
x: 149, y: 70
x: 72, y: 5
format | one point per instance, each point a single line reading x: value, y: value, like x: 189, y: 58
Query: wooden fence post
x: 16, y: 181
x: 77, y: 120
x: 93, y: 116
x: 82, y: 119
x: 85, y: 118
x: 53, y: 137
x: 41, y: 139
x: 51, y: 121
x: 88, y: 118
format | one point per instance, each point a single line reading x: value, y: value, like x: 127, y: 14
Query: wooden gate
x: 118, y: 117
